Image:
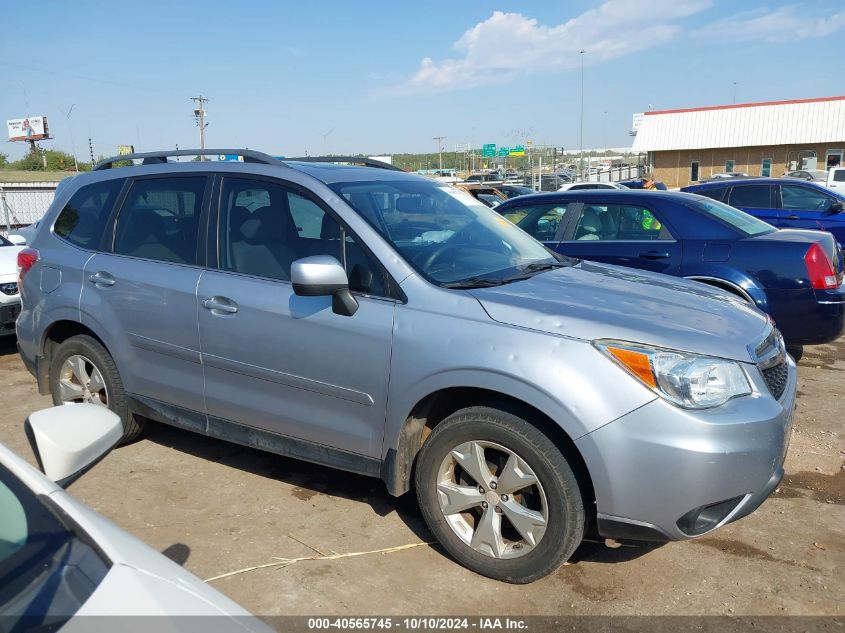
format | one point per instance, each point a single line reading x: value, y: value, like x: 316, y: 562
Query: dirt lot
x: 218, y: 507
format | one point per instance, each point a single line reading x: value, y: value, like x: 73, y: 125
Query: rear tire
x: 82, y: 370
x: 521, y: 524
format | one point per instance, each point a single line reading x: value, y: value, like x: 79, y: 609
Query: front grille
x: 776, y: 378
x: 9, y: 288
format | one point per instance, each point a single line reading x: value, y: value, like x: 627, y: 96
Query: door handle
x: 102, y: 279
x: 220, y: 305
x: 792, y: 217
x: 655, y: 255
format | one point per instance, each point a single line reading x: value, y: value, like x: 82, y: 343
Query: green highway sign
x: 519, y: 150
x: 488, y: 149
x: 504, y: 151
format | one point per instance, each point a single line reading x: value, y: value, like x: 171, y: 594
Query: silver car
x: 385, y: 324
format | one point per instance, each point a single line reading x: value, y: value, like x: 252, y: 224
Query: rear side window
x: 839, y: 175
x: 753, y: 196
x: 83, y: 219
x: 717, y: 193
x: 159, y: 219
x: 541, y: 221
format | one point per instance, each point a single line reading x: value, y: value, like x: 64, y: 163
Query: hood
x: 592, y: 301
x: 9, y: 259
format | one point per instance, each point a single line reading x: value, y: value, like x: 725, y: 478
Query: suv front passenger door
x: 284, y: 363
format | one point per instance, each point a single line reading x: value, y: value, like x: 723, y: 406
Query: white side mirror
x: 68, y: 440
x: 16, y: 239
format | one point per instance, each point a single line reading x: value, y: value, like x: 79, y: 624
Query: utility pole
x: 439, y: 140
x: 199, y: 114
x: 72, y: 144
x: 734, y: 93
x: 91, y: 151
x: 581, y: 144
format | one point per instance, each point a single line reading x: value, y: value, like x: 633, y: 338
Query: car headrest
x: 265, y: 225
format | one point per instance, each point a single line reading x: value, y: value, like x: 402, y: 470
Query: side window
x: 83, y: 219
x: 804, y: 198
x: 715, y: 194
x: 753, y: 196
x: 839, y: 175
x: 541, y: 222
x: 280, y: 226
x: 159, y: 219
x: 617, y: 223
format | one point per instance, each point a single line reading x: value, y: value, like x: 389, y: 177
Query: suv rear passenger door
x: 283, y: 363
x: 143, y: 292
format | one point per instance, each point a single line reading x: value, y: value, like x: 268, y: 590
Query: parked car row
x: 386, y: 324
x: 794, y: 276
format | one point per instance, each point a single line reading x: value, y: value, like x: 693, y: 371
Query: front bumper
x: 9, y: 312
x: 666, y: 473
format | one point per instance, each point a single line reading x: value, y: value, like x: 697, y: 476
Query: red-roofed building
x: 760, y: 139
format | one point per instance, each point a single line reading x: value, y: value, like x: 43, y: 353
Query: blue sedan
x: 781, y: 202
x: 795, y: 276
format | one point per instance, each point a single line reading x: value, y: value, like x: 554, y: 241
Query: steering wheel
x: 438, y: 254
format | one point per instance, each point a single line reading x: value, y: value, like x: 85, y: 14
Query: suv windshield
x: 444, y: 233
x: 743, y: 223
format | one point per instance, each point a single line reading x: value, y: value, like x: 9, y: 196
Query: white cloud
x: 780, y: 26
x: 507, y: 44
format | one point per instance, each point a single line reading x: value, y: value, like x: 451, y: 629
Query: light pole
x: 734, y: 93
x: 439, y: 140
x: 581, y: 142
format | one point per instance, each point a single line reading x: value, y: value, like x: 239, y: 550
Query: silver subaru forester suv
x: 387, y: 324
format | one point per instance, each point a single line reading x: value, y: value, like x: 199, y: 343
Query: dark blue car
x: 785, y: 203
x: 795, y: 276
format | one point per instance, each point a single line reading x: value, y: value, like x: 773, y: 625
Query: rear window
x: 83, y: 218
x: 743, y: 223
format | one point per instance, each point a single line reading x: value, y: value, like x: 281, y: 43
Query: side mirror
x: 322, y: 276
x: 69, y: 439
x: 835, y: 207
x: 16, y: 239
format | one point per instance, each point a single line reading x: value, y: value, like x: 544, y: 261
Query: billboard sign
x: 125, y: 150
x: 31, y: 128
x: 636, y: 121
x: 488, y: 149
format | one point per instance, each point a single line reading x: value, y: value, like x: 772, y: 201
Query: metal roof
x: 803, y: 121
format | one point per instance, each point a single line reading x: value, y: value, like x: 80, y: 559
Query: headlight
x: 687, y: 380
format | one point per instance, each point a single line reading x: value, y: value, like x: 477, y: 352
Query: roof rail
x: 156, y: 158
x: 352, y: 160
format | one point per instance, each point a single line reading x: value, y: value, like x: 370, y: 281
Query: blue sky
x: 382, y: 77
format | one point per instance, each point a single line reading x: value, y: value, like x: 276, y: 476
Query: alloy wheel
x: 81, y: 381
x: 492, y: 499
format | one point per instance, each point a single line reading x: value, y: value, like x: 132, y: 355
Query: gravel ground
x: 217, y: 507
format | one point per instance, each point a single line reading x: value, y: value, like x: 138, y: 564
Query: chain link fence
x: 24, y: 203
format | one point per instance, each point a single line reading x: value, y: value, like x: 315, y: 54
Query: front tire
x: 82, y: 370
x: 498, y: 495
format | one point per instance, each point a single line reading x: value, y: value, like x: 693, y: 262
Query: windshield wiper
x: 475, y: 282
x: 537, y: 267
